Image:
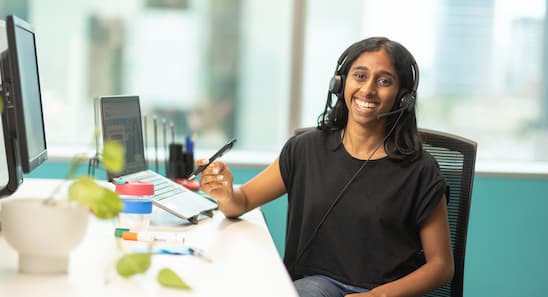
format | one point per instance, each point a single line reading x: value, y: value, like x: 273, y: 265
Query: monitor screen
x: 4, y: 176
x: 21, y: 88
x: 121, y: 121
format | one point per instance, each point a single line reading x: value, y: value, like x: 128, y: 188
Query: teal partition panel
x: 59, y: 169
x: 507, y: 238
x: 507, y: 234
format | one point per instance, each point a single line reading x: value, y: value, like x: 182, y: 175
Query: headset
x: 405, y: 97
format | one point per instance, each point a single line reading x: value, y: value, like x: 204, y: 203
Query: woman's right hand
x: 216, y: 180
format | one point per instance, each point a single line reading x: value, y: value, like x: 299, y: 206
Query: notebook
x: 121, y: 121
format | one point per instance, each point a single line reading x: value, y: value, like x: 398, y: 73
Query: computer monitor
x: 4, y: 177
x: 23, y: 121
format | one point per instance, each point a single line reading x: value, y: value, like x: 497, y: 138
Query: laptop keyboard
x: 163, y: 187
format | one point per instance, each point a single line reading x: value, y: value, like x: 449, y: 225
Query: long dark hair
x: 404, y: 141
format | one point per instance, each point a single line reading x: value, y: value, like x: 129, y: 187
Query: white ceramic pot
x: 43, y: 235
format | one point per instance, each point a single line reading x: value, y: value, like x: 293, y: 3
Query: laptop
x: 121, y: 121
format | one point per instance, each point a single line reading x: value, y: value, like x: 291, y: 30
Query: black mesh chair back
x: 456, y: 157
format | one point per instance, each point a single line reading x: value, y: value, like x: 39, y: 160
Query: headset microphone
x: 387, y: 114
x: 407, y: 101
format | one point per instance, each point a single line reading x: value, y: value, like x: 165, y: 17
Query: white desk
x: 245, y: 261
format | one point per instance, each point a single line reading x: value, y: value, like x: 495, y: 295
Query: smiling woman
x: 378, y: 73
x: 371, y: 87
x: 336, y: 179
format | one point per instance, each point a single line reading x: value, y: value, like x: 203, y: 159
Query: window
x: 216, y: 69
x: 482, y: 68
x: 222, y: 68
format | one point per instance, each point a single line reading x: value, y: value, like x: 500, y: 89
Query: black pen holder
x: 188, y: 160
x: 180, y: 163
x: 176, y: 165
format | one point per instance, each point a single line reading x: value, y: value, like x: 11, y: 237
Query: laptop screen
x: 121, y: 121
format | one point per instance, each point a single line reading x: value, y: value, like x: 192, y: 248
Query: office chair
x: 456, y: 157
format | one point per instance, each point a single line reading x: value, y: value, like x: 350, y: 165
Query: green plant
x: 101, y: 201
x: 106, y: 204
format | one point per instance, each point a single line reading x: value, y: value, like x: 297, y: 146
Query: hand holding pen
x: 216, y: 178
x: 218, y: 154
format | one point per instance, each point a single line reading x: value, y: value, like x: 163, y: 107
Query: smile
x: 365, y: 105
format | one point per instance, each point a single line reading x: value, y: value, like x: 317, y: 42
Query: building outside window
x: 219, y: 69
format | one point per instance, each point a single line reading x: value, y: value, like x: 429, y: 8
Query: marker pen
x: 200, y: 254
x: 172, y: 237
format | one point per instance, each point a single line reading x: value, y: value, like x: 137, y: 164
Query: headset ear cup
x: 335, y: 84
x: 402, y: 100
x: 408, y: 102
x: 411, y: 102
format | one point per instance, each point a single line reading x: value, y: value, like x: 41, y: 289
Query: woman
x: 367, y: 208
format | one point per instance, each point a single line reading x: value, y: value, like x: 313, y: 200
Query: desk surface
x: 245, y: 261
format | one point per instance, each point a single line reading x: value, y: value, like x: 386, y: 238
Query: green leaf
x: 113, y: 156
x: 104, y: 203
x: 76, y: 162
x: 132, y: 264
x: 1, y: 104
x: 168, y: 278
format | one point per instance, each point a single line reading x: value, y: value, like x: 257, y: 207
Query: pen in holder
x: 188, y: 156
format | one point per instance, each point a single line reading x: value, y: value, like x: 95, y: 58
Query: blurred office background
x: 255, y: 70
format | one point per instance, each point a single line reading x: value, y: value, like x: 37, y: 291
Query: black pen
x: 199, y: 253
x: 218, y: 154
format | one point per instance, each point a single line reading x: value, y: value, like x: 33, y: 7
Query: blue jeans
x: 323, y: 286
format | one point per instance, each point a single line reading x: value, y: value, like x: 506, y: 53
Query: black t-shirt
x: 371, y: 236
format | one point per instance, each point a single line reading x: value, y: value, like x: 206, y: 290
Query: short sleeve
x: 286, y: 162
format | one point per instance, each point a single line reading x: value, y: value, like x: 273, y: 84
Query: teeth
x: 363, y: 104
